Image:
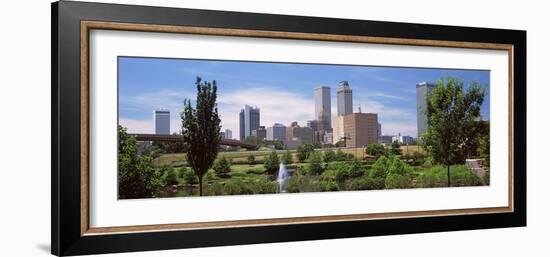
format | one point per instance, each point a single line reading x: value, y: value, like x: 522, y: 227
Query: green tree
x: 340, y: 143
x: 315, y: 163
x: 222, y: 167
x: 170, y: 177
x: 453, y: 116
x: 380, y: 167
x: 201, y: 129
x: 396, y: 148
x: 329, y: 156
x: 271, y: 163
x: 251, y: 159
x: 287, y: 157
x: 189, y: 177
x: 136, y: 177
x: 303, y: 151
x: 375, y: 150
x: 484, y: 149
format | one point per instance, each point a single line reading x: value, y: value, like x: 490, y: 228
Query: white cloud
x: 166, y: 99
x: 394, y: 128
x: 137, y: 126
x: 275, y: 106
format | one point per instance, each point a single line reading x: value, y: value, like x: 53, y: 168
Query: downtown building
x: 360, y: 129
x: 296, y: 135
x: 322, y: 124
x: 404, y: 140
x: 322, y: 107
x: 249, y: 119
x: 344, y: 106
x: 276, y: 133
x: 422, y: 90
x: 260, y: 132
x: 228, y: 134
x: 162, y: 121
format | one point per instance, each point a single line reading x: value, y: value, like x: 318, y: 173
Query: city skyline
x: 283, y: 92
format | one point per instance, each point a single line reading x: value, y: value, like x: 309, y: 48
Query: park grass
x: 179, y: 159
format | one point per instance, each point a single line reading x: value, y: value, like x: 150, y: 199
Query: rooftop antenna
x: 359, y: 108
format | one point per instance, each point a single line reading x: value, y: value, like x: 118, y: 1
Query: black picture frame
x: 66, y: 238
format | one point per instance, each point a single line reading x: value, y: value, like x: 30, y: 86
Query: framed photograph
x: 178, y: 128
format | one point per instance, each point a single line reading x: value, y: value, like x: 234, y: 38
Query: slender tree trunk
x: 200, y: 185
x: 448, y: 175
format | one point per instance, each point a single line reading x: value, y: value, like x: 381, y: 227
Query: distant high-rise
x: 313, y: 124
x: 260, y: 132
x: 162, y: 122
x: 277, y: 132
x: 344, y: 99
x: 249, y: 119
x: 322, y: 107
x: 228, y: 134
x: 422, y: 89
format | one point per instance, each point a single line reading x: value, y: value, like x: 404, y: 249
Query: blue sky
x: 282, y: 91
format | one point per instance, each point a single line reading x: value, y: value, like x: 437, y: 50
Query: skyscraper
x: 162, y: 122
x: 277, y: 132
x: 344, y: 99
x: 422, y: 89
x: 228, y: 134
x: 322, y: 107
x: 249, y: 119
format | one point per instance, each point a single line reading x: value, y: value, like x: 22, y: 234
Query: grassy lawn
x: 179, y: 158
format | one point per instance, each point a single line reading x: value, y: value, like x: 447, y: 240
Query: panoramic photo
x: 191, y: 128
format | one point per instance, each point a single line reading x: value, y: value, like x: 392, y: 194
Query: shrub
x: 315, y: 163
x: 325, y: 186
x: 365, y: 183
x: 214, y: 189
x: 264, y: 186
x: 346, y: 171
x: 380, y: 167
x: 395, y: 180
x: 209, y: 176
x: 181, y: 171
x: 222, y: 167
x: 375, y: 150
x: 287, y: 158
x: 342, y: 173
x: 189, y: 177
x: 298, y: 183
x: 251, y: 159
x: 397, y: 166
x: 170, y: 176
x: 329, y: 156
x: 271, y: 163
x: 236, y: 187
x: 356, y: 169
x: 461, y: 175
x: 341, y: 156
x: 304, y: 151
